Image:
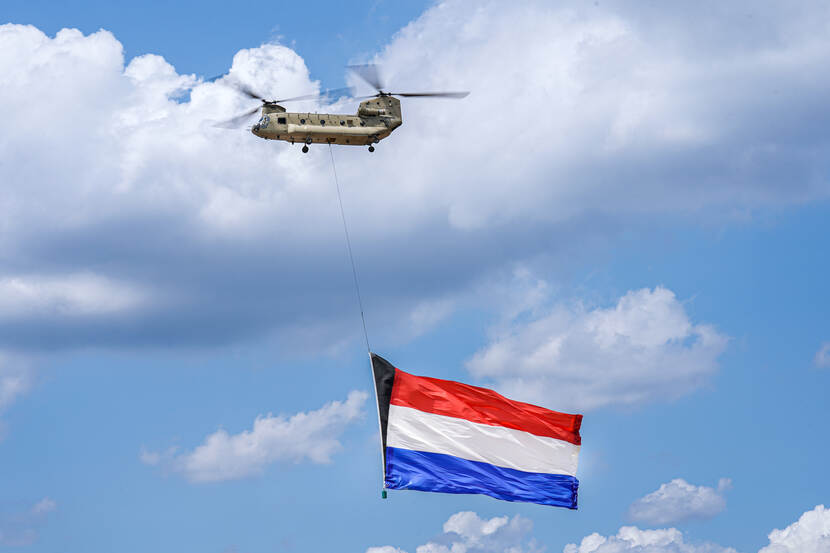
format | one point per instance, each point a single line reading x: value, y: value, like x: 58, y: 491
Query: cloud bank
x: 127, y: 215
x: 154, y: 202
x: 311, y: 436
x: 466, y: 532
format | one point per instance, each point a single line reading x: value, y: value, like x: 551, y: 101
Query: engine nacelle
x: 381, y: 106
x: 367, y: 111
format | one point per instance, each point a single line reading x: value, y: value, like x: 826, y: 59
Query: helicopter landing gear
x: 371, y: 148
x: 305, y: 148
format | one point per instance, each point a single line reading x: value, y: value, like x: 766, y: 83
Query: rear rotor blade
x: 237, y: 121
x: 457, y: 95
x: 368, y: 72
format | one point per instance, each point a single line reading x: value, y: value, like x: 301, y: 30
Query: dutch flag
x: 444, y: 436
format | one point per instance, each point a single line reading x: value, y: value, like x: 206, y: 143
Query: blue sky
x: 628, y: 218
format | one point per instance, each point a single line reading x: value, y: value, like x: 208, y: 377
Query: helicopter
x: 377, y: 115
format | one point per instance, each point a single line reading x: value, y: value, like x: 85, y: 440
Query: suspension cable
x: 362, y: 317
x: 349, y: 248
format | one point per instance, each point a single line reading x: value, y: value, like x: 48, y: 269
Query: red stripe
x: 454, y: 399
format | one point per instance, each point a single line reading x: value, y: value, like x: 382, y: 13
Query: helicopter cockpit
x: 262, y: 123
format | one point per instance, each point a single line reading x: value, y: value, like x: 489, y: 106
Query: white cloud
x: 17, y: 375
x: 809, y: 534
x: 678, y: 500
x: 151, y: 458
x: 45, y: 505
x: 822, y: 358
x: 83, y: 294
x: 602, y: 96
x: 631, y: 539
x: 645, y: 348
x: 15, y: 379
x: 466, y: 532
x: 20, y: 529
x: 309, y: 436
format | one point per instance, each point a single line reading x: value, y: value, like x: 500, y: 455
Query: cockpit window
x: 263, y: 123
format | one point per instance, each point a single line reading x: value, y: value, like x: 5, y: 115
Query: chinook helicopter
x: 377, y: 115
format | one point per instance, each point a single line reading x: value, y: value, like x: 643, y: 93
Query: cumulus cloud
x: 21, y: 528
x: 822, y: 358
x: 678, y: 501
x: 605, y: 96
x: 809, y: 534
x: 631, y: 539
x: 468, y: 533
x: 311, y: 436
x: 644, y: 348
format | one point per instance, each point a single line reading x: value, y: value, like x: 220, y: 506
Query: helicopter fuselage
x: 375, y: 120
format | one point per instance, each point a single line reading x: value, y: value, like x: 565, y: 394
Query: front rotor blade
x: 247, y: 91
x: 237, y: 121
x: 369, y: 73
x: 236, y: 85
x: 431, y: 94
x: 240, y: 87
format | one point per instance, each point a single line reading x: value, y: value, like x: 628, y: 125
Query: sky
x: 626, y: 218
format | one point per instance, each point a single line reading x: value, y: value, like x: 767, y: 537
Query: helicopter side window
x: 281, y: 120
x: 342, y: 123
x: 351, y: 123
x: 322, y: 121
x: 302, y: 121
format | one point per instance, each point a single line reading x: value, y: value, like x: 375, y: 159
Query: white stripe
x: 410, y: 428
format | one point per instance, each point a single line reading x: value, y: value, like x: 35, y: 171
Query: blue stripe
x: 436, y: 472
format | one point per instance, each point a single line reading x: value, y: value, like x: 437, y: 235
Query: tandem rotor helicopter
x: 377, y: 116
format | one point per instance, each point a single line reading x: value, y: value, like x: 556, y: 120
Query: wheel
x: 305, y: 149
x: 371, y: 148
